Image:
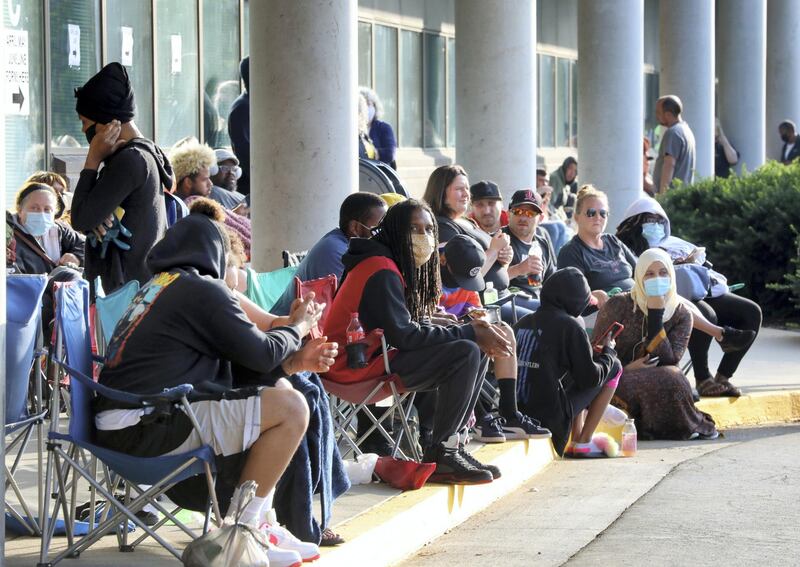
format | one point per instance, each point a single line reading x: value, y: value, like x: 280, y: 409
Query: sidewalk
x: 383, y: 526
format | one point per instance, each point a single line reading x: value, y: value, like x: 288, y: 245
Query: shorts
x: 228, y: 426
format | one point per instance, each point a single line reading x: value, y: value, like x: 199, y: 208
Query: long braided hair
x: 630, y: 233
x: 423, y: 285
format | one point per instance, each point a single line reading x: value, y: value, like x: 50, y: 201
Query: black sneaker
x: 495, y: 471
x: 523, y: 427
x: 735, y: 339
x: 452, y: 468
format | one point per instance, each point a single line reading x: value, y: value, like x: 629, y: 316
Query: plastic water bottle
x: 629, y: 442
x: 535, y: 250
x: 490, y: 294
x: 355, y: 332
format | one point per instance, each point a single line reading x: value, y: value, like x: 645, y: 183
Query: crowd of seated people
x: 415, y: 271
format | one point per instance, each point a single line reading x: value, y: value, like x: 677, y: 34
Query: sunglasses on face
x: 592, y: 212
x: 524, y: 213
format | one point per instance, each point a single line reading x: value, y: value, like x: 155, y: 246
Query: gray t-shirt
x: 678, y: 142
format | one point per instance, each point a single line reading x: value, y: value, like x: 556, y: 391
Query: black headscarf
x: 107, y: 96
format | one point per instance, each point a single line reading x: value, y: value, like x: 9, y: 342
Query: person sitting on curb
x: 392, y: 282
x: 561, y: 381
x: 461, y: 261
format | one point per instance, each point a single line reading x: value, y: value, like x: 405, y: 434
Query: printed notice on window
x: 15, y: 72
x: 176, y: 43
x: 127, y: 46
x: 74, y: 59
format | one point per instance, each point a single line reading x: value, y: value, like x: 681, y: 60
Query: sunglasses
x: 592, y: 212
x: 524, y: 213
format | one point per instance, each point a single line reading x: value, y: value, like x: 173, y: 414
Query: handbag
x: 403, y: 475
x: 693, y: 281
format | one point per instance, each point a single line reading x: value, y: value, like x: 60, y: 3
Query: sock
x: 508, y: 397
x: 452, y: 441
x: 267, y: 512
x: 252, y: 512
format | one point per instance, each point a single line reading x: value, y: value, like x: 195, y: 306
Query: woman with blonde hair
x: 380, y: 132
x: 652, y: 389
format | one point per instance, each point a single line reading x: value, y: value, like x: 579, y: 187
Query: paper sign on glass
x: 176, y: 43
x: 127, y: 46
x: 15, y: 72
x: 74, y: 58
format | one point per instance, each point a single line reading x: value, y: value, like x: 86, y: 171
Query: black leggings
x: 733, y: 311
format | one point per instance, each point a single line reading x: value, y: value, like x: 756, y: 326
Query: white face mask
x: 370, y: 113
x: 423, y: 248
x: 37, y: 224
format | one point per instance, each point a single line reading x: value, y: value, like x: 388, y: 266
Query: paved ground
x: 727, y: 502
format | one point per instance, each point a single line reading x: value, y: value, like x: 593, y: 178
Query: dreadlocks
x: 630, y: 233
x: 423, y: 285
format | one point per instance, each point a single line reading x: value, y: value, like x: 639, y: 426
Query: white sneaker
x: 284, y: 539
x: 279, y: 557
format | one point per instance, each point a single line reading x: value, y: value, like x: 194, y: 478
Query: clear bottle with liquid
x: 629, y: 439
x: 490, y: 294
x: 535, y: 280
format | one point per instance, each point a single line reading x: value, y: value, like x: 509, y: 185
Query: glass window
x: 74, y: 52
x: 434, y: 91
x: 220, y: 68
x: 410, y: 89
x: 546, y: 101
x: 129, y: 40
x: 562, y: 102
x: 365, y: 54
x: 246, y: 27
x: 176, y: 71
x: 23, y: 131
x: 574, y: 73
x: 451, y: 92
x: 386, y: 71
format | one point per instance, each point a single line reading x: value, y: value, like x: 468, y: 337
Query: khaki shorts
x: 228, y: 426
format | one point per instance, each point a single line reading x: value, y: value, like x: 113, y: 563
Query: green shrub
x: 791, y: 282
x: 748, y: 225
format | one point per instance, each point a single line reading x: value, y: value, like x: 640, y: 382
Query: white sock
x: 452, y: 441
x: 267, y: 512
x: 252, y: 512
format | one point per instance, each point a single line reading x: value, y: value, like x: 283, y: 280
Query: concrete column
x: 741, y: 69
x: 686, y: 37
x: 611, y: 99
x: 783, y: 69
x: 496, y: 91
x: 304, y: 134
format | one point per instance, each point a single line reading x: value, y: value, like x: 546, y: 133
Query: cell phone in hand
x: 613, y: 331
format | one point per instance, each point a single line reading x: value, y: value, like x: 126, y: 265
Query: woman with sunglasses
x: 652, y: 389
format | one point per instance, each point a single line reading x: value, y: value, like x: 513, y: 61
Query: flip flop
x: 330, y: 538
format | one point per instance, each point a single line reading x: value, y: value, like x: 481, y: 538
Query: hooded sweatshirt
x: 678, y: 248
x: 239, y: 128
x: 185, y: 326
x: 555, y: 357
x: 133, y: 178
x: 373, y: 287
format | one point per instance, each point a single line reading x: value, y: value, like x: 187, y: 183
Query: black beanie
x: 107, y: 96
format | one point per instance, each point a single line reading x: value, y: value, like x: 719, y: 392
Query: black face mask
x: 785, y: 138
x: 90, y: 132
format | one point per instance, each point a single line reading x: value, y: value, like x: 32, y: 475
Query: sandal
x: 710, y: 389
x: 731, y: 391
x: 330, y: 538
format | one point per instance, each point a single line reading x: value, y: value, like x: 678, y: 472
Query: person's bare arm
x: 667, y: 171
x: 730, y: 153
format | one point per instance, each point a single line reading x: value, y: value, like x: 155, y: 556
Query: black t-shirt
x: 722, y: 168
x: 604, y: 269
x: 448, y: 228
x: 521, y: 252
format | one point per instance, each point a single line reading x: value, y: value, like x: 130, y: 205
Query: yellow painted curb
x: 388, y: 533
x: 753, y: 409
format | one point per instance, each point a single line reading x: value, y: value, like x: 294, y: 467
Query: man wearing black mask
x: 128, y: 193
x: 791, y: 144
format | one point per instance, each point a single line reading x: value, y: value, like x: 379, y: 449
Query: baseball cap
x: 464, y: 261
x: 223, y: 154
x: 485, y: 190
x: 526, y: 197
x: 541, y: 171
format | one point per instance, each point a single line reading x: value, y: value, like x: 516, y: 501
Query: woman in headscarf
x: 652, y: 389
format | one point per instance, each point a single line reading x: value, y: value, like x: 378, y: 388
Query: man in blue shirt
x: 358, y: 215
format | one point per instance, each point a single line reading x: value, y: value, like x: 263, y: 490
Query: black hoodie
x: 185, y: 326
x: 132, y: 178
x: 552, y: 344
x: 383, y: 304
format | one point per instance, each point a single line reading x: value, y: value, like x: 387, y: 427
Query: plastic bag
x: 233, y: 544
x: 360, y: 471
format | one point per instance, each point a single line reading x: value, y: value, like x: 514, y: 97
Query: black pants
x: 454, y: 371
x: 733, y: 311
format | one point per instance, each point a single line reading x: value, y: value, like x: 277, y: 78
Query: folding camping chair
x: 266, y: 288
x: 23, y: 357
x: 293, y: 259
x: 110, y: 310
x: 349, y: 400
x: 73, y: 346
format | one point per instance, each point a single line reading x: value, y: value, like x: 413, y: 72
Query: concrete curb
x: 388, y: 533
x: 753, y: 409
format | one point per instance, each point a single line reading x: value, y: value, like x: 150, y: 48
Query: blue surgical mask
x: 653, y: 232
x: 37, y: 224
x: 657, y: 287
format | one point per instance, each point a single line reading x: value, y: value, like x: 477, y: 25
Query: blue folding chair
x: 23, y: 361
x: 161, y: 473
